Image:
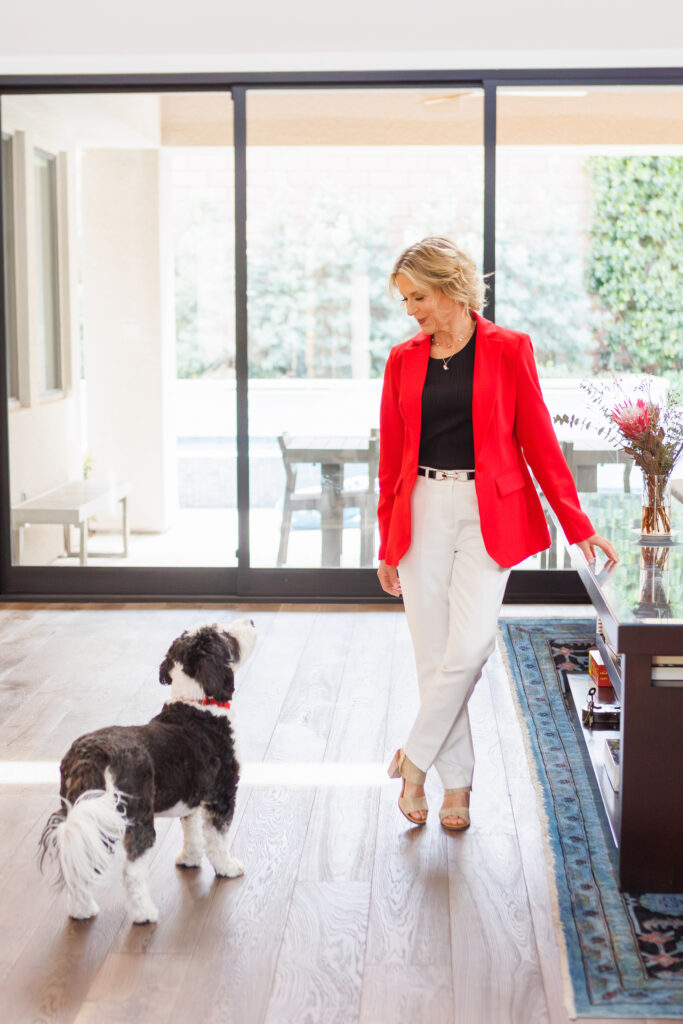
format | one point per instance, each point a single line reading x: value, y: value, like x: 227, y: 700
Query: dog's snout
x: 251, y: 622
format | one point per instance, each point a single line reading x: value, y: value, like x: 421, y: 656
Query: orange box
x: 597, y: 669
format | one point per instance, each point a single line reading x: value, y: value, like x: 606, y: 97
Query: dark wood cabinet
x: 639, y: 603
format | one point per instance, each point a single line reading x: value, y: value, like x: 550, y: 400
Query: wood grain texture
x: 232, y: 967
x: 320, y: 968
x: 60, y: 957
x: 530, y: 833
x: 20, y: 914
x: 491, y: 810
x: 134, y: 988
x: 340, y: 842
x: 261, y: 694
x: 304, y: 723
x: 506, y: 720
x: 496, y: 974
x: 399, y: 992
x: 409, y: 917
x: 22, y: 808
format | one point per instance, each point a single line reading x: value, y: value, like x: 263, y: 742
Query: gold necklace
x: 446, y: 359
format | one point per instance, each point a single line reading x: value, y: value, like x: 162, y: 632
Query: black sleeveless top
x: 446, y: 435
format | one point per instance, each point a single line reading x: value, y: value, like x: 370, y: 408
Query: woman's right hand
x: 388, y: 578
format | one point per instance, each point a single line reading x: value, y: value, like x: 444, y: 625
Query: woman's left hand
x: 596, y: 541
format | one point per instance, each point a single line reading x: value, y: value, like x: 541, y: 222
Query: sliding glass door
x: 196, y: 313
x: 338, y: 183
x: 588, y: 251
x: 121, y: 324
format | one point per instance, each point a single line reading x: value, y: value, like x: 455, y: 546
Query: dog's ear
x: 217, y: 681
x: 208, y: 660
x: 165, y: 671
x: 169, y: 661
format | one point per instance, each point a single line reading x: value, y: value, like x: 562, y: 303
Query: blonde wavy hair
x: 438, y: 263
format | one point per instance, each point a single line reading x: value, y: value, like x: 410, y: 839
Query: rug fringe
x: 549, y: 856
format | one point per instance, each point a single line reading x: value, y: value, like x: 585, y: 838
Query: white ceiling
x: 156, y: 35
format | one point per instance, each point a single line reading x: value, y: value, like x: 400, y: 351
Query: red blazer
x: 512, y: 432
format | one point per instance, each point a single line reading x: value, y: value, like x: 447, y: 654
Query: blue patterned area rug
x: 624, y: 951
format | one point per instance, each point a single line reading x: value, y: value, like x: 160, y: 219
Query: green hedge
x: 635, y: 260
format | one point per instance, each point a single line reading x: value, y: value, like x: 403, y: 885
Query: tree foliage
x: 635, y: 261
x: 606, y: 299
x: 301, y: 274
x: 539, y: 290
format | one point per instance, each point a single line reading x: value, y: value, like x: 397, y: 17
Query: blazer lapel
x: 415, y: 362
x: 486, y: 370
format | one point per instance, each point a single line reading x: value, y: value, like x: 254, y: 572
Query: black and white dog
x: 183, y: 763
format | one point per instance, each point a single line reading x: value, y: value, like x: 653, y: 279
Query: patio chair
x: 583, y: 463
x: 358, y: 491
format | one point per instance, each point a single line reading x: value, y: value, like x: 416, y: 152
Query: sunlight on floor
x: 253, y: 773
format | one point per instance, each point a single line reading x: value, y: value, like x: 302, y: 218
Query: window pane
x: 48, y: 270
x: 9, y: 261
x: 142, y: 434
x: 589, y: 245
x: 339, y: 182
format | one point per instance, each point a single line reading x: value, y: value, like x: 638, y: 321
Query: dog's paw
x: 145, y: 915
x: 83, y: 909
x: 188, y: 860
x: 231, y: 867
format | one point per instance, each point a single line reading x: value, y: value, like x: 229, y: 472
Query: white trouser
x: 452, y: 594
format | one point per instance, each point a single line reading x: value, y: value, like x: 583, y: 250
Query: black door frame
x: 83, y: 584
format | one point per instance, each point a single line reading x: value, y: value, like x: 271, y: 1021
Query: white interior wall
x: 129, y: 369
x: 44, y: 433
x: 164, y: 35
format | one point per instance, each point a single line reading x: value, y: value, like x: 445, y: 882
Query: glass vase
x: 655, y: 583
x: 656, y: 507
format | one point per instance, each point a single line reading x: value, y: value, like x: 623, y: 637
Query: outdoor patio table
x: 332, y: 453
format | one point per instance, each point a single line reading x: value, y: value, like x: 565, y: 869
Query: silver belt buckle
x: 451, y: 474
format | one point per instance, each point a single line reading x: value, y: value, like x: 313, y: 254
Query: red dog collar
x: 203, y: 701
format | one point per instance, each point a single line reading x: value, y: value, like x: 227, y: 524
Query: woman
x: 462, y: 415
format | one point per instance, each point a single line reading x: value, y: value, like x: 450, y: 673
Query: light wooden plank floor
x: 345, y: 912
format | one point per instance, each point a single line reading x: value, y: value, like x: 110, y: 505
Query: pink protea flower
x: 632, y: 418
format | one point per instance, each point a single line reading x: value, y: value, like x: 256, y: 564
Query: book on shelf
x: 597, y: 669
x: 615, y: 658
x: 668, y: 659
x: 611, y: 762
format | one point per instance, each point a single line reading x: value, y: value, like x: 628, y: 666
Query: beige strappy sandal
x: 402, y: 767
x: 455, y: 812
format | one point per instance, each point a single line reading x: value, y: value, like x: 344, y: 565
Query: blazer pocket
x: 509, y: 482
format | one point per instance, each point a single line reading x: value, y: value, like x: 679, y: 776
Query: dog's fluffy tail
x: 79, y: 839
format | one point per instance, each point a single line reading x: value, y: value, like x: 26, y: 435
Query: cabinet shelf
x: 594, y: 740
